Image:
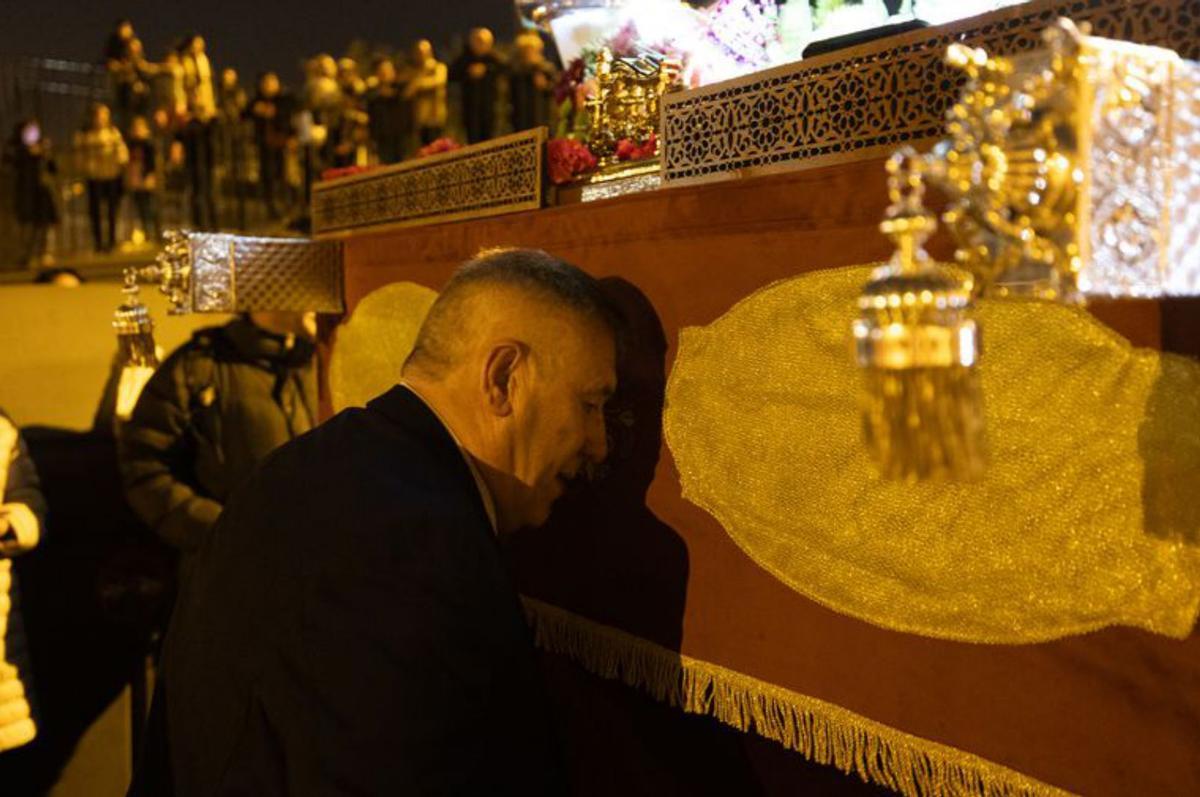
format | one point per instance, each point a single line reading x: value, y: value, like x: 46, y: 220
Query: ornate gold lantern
x: 917, y: 346
x: 1071, y: 173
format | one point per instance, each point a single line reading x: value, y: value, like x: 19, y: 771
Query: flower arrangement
x: 568, y: 160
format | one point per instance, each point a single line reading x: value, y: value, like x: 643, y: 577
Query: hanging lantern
x: 1070, y: 173
x: 917, y: 347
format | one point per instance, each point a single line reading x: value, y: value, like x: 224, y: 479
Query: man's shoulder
x: 366, y: 482
x: 364, y: 453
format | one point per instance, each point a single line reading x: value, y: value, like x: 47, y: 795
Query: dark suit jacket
x: 348, y: 628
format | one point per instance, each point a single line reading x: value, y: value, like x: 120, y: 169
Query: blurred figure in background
x: 388, y: 113
x: 322, y: 94
x: 29, y: 156
x: 117, y: 43
x: 103, y: 155
x: 271, y: 115
x: 59, y: 278
x: 477, y: 71
x: 198, y: 132
x: 531, y: 83
x: 136, y: 79
x: 349, y: 81
x: 231, y: 141
x: 425, y: 88
x: 351, y: 137
x: 22, y: 515
x: 117, y: 60
x: 141, y: 178
x: 231, y: 97
x: 171, y: 92
x: 322, y: 102
x: 208, y: 416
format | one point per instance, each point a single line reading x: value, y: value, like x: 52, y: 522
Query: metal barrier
x: 59, y: 94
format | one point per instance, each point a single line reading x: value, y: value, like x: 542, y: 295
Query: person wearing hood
x: 212, y: 411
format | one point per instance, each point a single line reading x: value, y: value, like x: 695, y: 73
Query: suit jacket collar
x: 404, y: 408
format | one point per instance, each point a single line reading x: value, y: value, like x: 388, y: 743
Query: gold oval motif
x: 1086, y: 517
x: 373, y: 344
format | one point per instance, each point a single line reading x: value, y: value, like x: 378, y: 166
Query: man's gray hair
x: 534, y: 271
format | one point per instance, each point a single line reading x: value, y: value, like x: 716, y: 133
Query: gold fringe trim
x: 820, y: 731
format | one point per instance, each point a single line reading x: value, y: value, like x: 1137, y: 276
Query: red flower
x: 445, y: 144
x: 629, y: 151
x: 567, y: 159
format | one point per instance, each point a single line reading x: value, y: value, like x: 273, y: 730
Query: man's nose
x: 596, y: 445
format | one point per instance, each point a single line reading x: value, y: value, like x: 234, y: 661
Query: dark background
x: 249, y: 35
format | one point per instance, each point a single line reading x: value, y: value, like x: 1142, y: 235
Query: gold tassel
x: 136, y: 350
x: 922, y: 402
x: 818, y: 730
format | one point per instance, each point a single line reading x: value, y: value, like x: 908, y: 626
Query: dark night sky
x: 249, y: 35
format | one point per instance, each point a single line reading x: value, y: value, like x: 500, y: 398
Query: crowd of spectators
x: 229, y: 155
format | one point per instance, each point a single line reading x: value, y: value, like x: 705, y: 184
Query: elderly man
x: 349, y: 627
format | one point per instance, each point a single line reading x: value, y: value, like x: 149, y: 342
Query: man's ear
x: 500, y: 371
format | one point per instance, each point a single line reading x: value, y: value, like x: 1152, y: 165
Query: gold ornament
x: 136, y: 349
x: 1071, y: 170
x: 626, y: 102
x: 917, y: 347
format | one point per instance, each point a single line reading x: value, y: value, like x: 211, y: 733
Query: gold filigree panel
x: 237, y: 273
x: 499, y: 176
x: 868, y: 100
x: 1085, y: 518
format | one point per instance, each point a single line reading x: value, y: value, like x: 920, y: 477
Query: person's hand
x: 19, y: 529
x: 540, y: 81
x: 477, y: 71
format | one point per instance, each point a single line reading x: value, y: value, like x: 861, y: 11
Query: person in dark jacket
x: 349, y: 627
x: 531, y: 80
x: 141, y: 177
x: 22, y: 518
x: 271, y: 114
x: 388, y: 113
x: 477, y: 71
x: 210, y: 413
x: 29, y: 156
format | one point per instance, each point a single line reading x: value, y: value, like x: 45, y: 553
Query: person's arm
x: 154, y: 451
x: 428, y: 80
x: 122, y: 149
x: 23, y: 511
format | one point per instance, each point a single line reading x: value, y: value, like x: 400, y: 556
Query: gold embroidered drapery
x: 1082, y: 521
